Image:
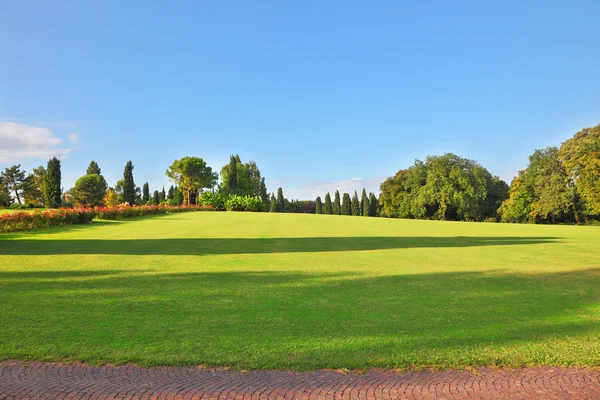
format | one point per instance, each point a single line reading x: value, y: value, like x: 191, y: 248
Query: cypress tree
x: 318, y: 205
x: 177, y: 196
x: 145, y: 193
x: 93, y: 168
x: 327, y: 208
x: 128, y: 184
x: 233, y: 175
x: 162, y: 195
x: 364, y: 204
x: 280, y: 200
x: 337, y: 208
x: 170, y: 193
x: 355, y: 204
x: 156, y: 198
x: 52, y: 190
x: 372, y: 205
x: 273, y: 204
x: 346, y: 205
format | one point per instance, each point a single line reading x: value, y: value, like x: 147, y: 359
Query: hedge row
x: 21, y: 221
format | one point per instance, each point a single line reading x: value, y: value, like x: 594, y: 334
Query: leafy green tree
x: 337, y: 208
x: 145, y: 193
x: 90, y: 190
x: 372, y: 205
x: 364, y: 203
x: 93, y: 168
x: 111, y: 198
x: 13, y: 178
x: 318, y: 205
x: 128, y: 185
x: 280, y: 200
x: 355, y: 204
x: 346, y: 205
x: 273, y: 204
x: 327, y: 208
x: 162, y: 196
x: 193, y: 175
x: 5, y: 198
x: 170, y: 193
x: 156, y: 198
x: 177, y: 196
x: 246, y: 180
x: 52, y: 188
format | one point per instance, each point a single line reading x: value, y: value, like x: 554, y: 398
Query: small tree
x: 162, y: 195
x: 111, y: 198
x: 192, y: 175
x: 337, y: 208
x: 346, y: 205
x: 355, y: 204
x: 177, y: 196
x: 145, y: 193
x: 170, y: 193
x: 280, y: 200
x: 90, y: 190
x: 372, y: 205
x: 93, y: 168
x: 328, y: 209
x: 156, y: 198
x: 319, y: 205
x: 273, y: 204
x: 129, y: 193
x: 364, y: 204
x: 52, y: 189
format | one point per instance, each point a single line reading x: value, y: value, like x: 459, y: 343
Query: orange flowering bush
x: 20, y: 221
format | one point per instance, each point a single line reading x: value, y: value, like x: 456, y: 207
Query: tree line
x: 367, y: 206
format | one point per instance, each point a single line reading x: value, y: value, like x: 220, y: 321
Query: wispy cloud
x: 19, y: 142
x: 73, y: 137
x: 310, y: 190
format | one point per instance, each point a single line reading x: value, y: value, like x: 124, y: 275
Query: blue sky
x: 322, y: 95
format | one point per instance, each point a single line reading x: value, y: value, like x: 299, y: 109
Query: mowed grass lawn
x: 288, y: 291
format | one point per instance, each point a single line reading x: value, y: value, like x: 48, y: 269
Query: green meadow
x: 294, y: 291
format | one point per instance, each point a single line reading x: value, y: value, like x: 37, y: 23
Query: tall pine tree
x: 355, y: 204
x: 93, y: 168
x: 337, y: 207
x: 52, y: 190
x: 145, y: 193
x: 170, y: 193
x: 346, y: 205
x: 128, y: 184
x: 327, y: 208
x: 318, y: 205
x: 364, y: 204
x: 273, y: 204
x: 280, y: 200
x: 232, y: 182
x: 162, y: 195
x: 156, y: 198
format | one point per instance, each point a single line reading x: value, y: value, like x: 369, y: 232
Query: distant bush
x: 215, y: 200
x: 243, y: 203
x: 126, y: 211
x: 20, y: 221
x: 491, y: 219
x: 26, y: 206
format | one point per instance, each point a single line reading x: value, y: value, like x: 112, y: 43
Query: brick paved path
x: 20, y: 380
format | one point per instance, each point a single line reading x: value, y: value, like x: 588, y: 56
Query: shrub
x: 126, y: 211
x: 215, y: 200
x: 19, y: 221
x: 243, y: 203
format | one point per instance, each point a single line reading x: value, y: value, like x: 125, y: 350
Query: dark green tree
x: 52, y: 189
x: 93, y: 168
x: 319, y: 205
x: 14, y: 178
x: 337, y: 207
x: 346, y: 205
x: 90, y: 190
x: 156, y: 198
x: 364, y: 203
x: 230, y: 182
x: 273, y: 204
x: 280, y: 200
x: 177, y: 196
x: 162, y: 196
x: 5, y: 198
x: 128, y: 190
x: 192, y: 175
x: 355, y: 204
x: 145, y: 193
x: 372, y: 205
x: 327, y: 208
x: 170, y: 193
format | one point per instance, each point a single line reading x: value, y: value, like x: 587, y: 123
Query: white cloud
x: 310, y: 191
x: 73, y: 137
x: 18, y: 142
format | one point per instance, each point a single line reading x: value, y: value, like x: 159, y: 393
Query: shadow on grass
x: 202, y: 246
x: 302, y: 321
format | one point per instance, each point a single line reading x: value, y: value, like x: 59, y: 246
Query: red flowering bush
x: 20, y: 221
